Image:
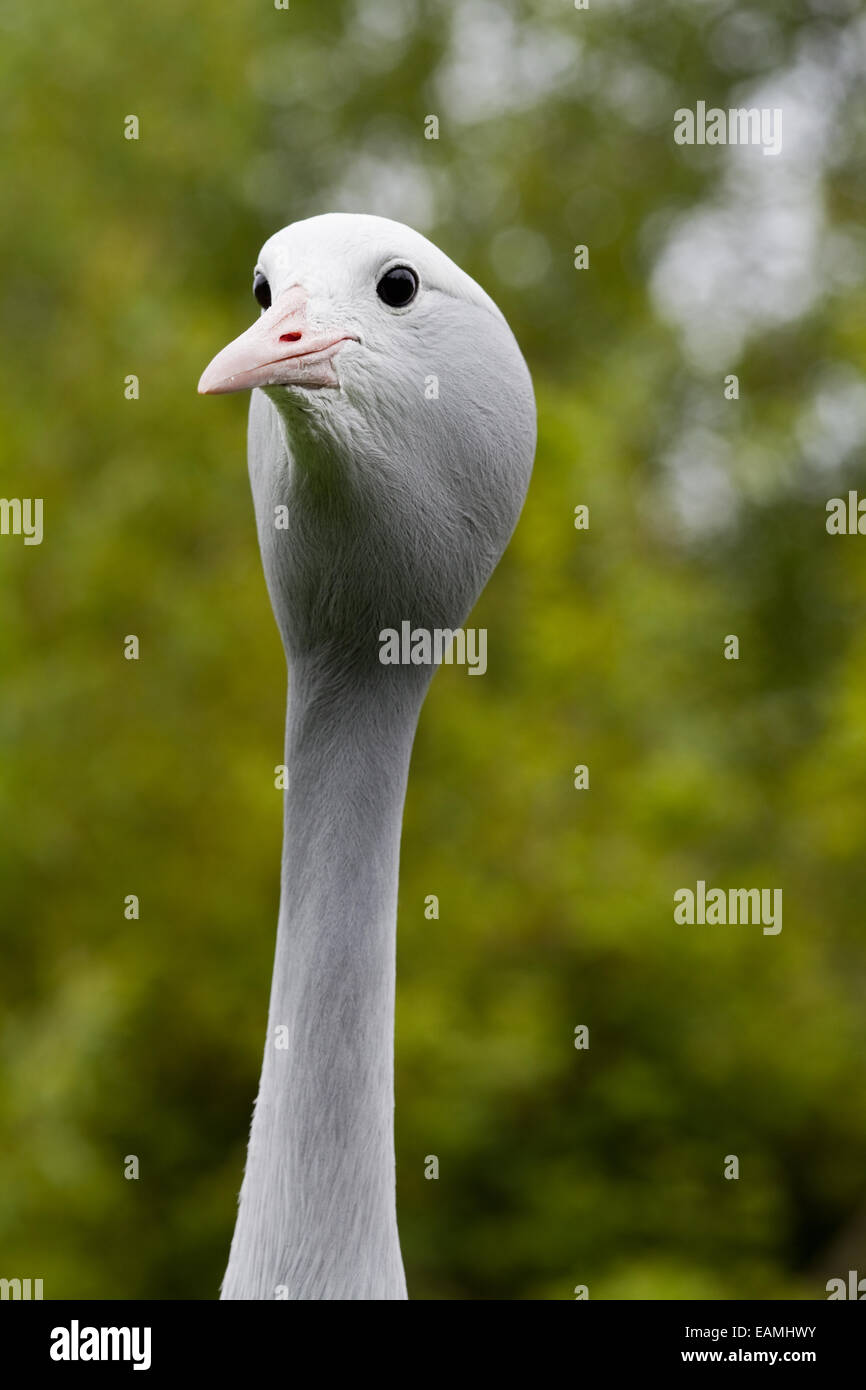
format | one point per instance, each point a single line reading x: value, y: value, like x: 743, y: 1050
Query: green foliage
x: 155, y: 777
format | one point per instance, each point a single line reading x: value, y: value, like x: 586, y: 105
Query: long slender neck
x: 317, y: 1216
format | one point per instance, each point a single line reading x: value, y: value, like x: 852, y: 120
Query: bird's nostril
x: 289, y: 337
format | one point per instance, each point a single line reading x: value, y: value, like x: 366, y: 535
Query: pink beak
x: 278, y: 350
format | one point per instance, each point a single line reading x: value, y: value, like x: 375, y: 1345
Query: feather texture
x: 385, y: 494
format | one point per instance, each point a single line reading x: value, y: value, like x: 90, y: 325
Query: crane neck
x: 317, y: 1214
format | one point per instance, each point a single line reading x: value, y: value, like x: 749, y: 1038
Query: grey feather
x: 399, y: 507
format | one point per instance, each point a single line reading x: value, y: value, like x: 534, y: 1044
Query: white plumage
x: 390, y: 448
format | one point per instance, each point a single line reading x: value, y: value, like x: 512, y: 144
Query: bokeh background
x: 557, y: 1167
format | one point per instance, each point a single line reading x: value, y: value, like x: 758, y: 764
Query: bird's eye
x: 398, y: 286
x: 262, y: 290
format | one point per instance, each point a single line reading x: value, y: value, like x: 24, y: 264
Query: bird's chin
x: 317, y: 371
x: 320, y: 376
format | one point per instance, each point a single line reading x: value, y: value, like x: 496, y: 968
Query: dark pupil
x: 262, y: 290
x: 397, y: 286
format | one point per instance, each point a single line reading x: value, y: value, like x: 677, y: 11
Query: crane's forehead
x: 339, y: 251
